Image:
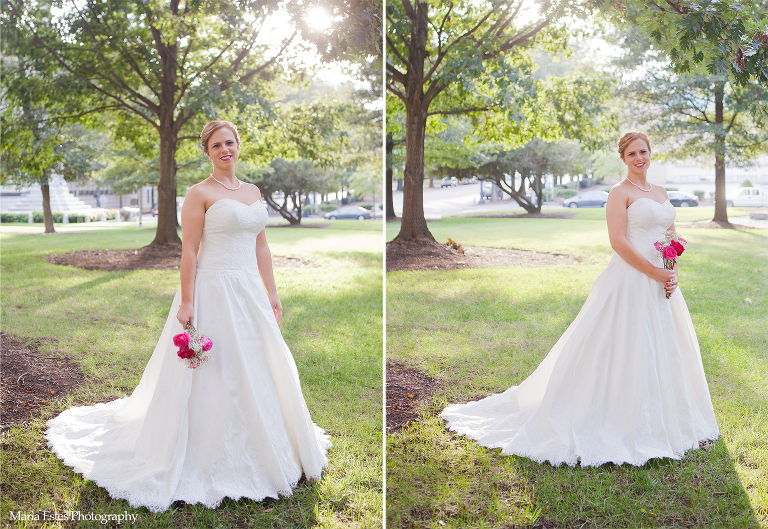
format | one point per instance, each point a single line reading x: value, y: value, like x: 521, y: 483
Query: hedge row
x: 58, y: 216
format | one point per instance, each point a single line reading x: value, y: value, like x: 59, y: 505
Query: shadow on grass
x: 434, y: 475
x: 110, y: 321
x: 298, y: 510
x: 483, y: 331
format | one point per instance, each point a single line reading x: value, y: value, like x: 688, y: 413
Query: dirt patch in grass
x: 434, y: 256
x: 516, y: 215
x: 30, y: 380
x: 146, y: 258
x: 407, y: 388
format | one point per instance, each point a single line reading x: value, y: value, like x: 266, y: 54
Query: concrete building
x: 691, y: 176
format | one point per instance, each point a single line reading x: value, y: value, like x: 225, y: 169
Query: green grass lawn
x: 480, y: 331
x: 108, y: 323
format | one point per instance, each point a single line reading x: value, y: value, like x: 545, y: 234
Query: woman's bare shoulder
x: 198, y: 194
x: 254, y: 189
x: 619, y: 191
x: 197, y: 191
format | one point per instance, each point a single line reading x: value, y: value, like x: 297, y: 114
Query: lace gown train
x: 238, y: 427
x: 625, y: 382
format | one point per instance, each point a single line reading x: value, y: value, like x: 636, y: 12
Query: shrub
x: 672, y: 188
x: 327, y: 208
x: 746, y: 183
x: 566, y: 193
x: 14, y: 217
x: 700, y: 194
x: 58, y: 216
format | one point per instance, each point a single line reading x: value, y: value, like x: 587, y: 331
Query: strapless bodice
x: 647, y: 222
x: 229, y: 235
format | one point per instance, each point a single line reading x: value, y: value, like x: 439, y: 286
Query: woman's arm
x: 264, y: 260
x: 616, y: 215
x: 192, y: 221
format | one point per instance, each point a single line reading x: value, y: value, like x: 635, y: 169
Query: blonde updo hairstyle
x: 213, y: 126
x: 628, y: 138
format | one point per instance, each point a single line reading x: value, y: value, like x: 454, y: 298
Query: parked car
x: 153, y: 211
x: 682, y: 200
x: 593, y: 199
x: 349, y: 212
x: 449, y: 182
x: 470, y: 180
x: 747, y: 197
x: 486, y: 188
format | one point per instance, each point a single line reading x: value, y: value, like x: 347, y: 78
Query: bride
x: 237, y: 427
x: 625, y: 382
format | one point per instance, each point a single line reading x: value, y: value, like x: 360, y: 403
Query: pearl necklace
x: 640, y: 188
x: 239, y: 183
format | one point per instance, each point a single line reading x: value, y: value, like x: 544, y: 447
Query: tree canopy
x: 162, y: 68
x: 726, y: 37
x: 449, y: 58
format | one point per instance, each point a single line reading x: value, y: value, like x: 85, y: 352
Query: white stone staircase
x: 29, y: 199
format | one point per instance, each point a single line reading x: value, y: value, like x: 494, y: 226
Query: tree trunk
x: 539, y: 190
x: 166, y: 190
x: 518, y: 195
x: 414, y: 226
x: 721, y: 212
x: 297, y: 208
x: 170, y: 125
x: 283, y: 210
x: 390, y: 205
x: 47, y: 214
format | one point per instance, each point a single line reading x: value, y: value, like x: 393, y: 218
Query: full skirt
x: 237, y: 427
x: 624, y: 384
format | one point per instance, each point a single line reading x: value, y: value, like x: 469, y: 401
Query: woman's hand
x: 277, y: 308
x: 671, y: 285
x: 186, y: 314
x: 662, y: 275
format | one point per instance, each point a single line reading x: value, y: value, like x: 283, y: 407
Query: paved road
x: 439, y: 202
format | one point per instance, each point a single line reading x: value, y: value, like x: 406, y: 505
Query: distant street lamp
x: 140, y: 225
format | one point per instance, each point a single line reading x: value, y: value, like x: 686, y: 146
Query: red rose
x: 679, y: 248
x: 186, y: 353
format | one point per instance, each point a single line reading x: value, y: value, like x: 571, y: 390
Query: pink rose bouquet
x: 192, y: 344
x: 670, y: 248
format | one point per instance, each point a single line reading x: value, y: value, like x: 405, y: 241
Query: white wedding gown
x: 625, y: 382
x: 237, y: 427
